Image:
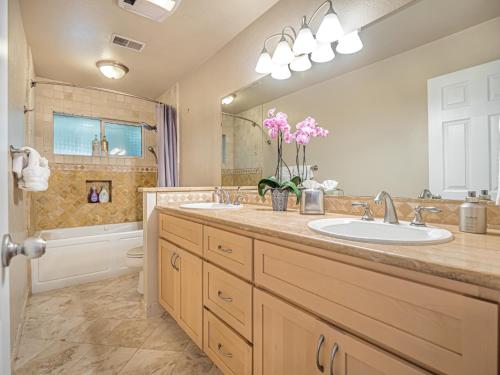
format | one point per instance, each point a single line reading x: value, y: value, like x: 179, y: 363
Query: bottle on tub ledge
x: 96, y: 147
x: 473, y: 215
x: 93, y: 195
x: 103, y: 195
x: 104, y: 146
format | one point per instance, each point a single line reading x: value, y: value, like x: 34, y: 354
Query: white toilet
x: 135, y: 260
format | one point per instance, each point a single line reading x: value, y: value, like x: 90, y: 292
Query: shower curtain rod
x: 56, y: 83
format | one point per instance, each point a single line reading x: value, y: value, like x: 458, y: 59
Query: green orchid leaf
x: 267, y: 182
x: 296, y: 180
x: 293, y: 188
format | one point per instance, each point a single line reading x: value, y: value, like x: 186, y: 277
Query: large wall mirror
x: 418, y: 108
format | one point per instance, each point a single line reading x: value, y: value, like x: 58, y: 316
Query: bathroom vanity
x: 263, y: 294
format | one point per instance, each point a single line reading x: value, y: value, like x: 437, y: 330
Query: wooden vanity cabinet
x: 180, y: 288
x: 288, y: 341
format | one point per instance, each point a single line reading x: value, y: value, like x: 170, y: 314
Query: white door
x: 4, y: 211
x: 464, y: 115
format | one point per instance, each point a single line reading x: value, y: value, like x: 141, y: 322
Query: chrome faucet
x: 218, y: 195
x: 237, y: 196
x: 390, y: 215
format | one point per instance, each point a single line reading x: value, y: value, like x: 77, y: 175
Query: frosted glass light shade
x: 264, y: 63
x: 112, y: 69
x: 305, y: 42
x: 330, y: 28
x: 281, y: 72
x: 283, y: 53
x: 350, y: 43
x: 301, y: 63
x: 323, y: 53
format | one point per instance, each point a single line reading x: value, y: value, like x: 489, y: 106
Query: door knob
x: 32, y: 247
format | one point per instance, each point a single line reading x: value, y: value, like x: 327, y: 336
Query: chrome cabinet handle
x: 335, y: 349
x: 224, y: 249
x: 175, y: 262
x: 172, y: 260
x: 225, y: 354
x: 321, y: 341
x: 224, y: 298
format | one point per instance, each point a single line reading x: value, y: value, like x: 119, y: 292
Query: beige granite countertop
x: 470, y: 258
x: 189, y: 188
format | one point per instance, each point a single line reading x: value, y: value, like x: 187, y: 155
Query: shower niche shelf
x: 99, y: 185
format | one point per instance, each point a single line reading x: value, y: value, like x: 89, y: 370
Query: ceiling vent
x: 125, y: 42
x: 156, y: 10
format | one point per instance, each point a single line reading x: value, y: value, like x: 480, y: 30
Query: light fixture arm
x: 318, y: 9
x: 282, y: 34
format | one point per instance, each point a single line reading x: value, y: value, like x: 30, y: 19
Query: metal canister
x: 312, y: 202
x: 473, y: 215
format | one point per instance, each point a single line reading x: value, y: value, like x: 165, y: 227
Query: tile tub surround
x: 65, y: 205
x: 469, y: 258
x: 100, y: 328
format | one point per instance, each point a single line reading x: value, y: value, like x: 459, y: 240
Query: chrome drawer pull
x: 175, y: 262
x: 224, y: 249
x: 321, y: 341
x: 222, y: 297
x: 225, y: 354
x: 335, y: 349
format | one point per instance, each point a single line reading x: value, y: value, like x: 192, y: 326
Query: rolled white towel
x: 19, y: 161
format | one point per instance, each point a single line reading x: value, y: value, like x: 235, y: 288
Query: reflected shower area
x: 245, y: 145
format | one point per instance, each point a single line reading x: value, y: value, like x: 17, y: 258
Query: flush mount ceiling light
x: 165, y: 4
x: 294, y: 51
x: 228, y: 99
x: 112, y: 69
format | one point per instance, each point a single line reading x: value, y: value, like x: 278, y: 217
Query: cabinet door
x: 286, y: 340
x: 190, y: 312
x: 167, y: 277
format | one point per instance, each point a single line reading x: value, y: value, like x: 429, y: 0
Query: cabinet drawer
x: 440, y: 330
x: 230, y: 352
x: 229, y: 298
x: 230, y: 251
x: 185, y: 233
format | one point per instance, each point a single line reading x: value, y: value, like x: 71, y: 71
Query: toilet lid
x: 136, y: 252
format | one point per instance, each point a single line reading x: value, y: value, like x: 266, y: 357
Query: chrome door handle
x: 335, y: 349
x: 224, y: 298
x: 225, y: 354
x: 32, y: 247
x: 321, y: 341
x: 172, y: 260
x: 224, y: 249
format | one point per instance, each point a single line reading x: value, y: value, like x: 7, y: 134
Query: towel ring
x: 14, y: 151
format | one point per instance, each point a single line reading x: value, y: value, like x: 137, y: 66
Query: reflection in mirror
x: 415, y: 113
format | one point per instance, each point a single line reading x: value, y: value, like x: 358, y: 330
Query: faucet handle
x: 237, y: 196
x: 418, y: 221
x: 367, y: 212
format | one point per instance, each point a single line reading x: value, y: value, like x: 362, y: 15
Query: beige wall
x: 377, y: 115
x: 64, y: 204
x: 20, y: 68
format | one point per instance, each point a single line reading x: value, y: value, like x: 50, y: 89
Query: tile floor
x: 100, y: 328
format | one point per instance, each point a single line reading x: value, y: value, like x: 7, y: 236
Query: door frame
x: 5, y: 343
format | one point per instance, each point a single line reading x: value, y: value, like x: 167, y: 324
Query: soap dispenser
x: 103, y: 195
x: 473, y: 215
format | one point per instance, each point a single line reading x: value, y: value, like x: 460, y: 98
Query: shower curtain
x: 167, y: 146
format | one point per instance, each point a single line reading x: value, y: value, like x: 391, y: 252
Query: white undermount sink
x: 210, y: 206
x: 380, y: 232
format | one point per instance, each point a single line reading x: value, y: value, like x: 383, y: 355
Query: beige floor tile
x: 57, y: 358
x: 167, y: 335
x: 50, y: 327
x: 29, y: 349
x: 148, y: 362
x: 102, y: 360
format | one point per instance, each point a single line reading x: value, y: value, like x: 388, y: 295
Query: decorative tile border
x: 100, y: 167
x: 241, y: 171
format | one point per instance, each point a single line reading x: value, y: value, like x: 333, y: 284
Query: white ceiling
x: 416, y: 24
x: 67, y: 37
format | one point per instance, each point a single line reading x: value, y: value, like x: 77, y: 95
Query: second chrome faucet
x: 390, y: 215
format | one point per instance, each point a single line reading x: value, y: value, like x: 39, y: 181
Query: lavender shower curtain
x: 167, y: 146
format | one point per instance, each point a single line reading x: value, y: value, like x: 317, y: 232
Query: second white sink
x: 210, y: 206
x: 380, y: 232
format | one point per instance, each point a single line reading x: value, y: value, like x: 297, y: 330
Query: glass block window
x: 124, y: 140
x: 74, y: 135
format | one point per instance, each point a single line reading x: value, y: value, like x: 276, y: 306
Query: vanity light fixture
x: 112, y: 69
x: 228, y: 99
x: 350, y: 43
x: 294, y: 51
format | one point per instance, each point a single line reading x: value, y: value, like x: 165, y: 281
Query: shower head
x: 152, y: 150
x: 149, y: 127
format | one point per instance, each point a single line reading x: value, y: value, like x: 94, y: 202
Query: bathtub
x: 84, y: 254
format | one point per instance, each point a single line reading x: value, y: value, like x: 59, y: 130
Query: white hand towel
x: 19, y: 161
x: 35, y: 177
